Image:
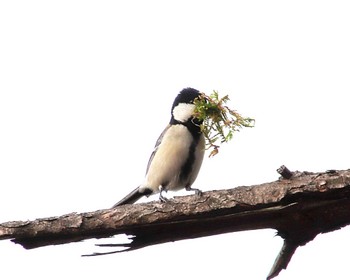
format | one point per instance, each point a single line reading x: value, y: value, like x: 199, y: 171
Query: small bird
x: 178, y: 153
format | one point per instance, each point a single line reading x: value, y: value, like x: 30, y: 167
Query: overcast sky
x: 86, y: 88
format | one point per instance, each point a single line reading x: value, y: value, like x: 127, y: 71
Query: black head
x: 183, y: 109
x: 187, y: 96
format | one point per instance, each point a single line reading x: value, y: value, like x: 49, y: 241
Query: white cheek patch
x: 183, y: 111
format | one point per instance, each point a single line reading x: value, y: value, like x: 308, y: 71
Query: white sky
x: 86, y: 88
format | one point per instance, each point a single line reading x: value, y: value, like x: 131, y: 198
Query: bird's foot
x: 161, y: 197
x: 196, y: 191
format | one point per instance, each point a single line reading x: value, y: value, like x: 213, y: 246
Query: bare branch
x: 299, y: 208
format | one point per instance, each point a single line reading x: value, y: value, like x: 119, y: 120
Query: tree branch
x: 299, y: 208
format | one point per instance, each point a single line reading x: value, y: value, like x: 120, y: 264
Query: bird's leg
x: 161, y: 197
x: 196, y: 191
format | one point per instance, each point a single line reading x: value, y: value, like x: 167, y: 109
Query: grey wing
x: 156, y: 147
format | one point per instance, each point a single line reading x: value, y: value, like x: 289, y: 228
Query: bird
x: 178, y: 153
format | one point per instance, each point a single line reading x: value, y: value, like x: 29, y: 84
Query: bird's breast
x: 169, y: 159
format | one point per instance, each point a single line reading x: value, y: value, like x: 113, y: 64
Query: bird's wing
x: 156, y: 147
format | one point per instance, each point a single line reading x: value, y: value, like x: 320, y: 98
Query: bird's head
x: 183, y: 108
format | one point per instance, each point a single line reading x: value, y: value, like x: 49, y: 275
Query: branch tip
x: 283, y: 258
x: 285, y: 172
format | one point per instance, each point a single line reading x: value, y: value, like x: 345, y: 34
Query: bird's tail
x: 131, y: 197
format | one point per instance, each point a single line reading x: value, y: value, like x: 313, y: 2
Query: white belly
x: 170, y: 157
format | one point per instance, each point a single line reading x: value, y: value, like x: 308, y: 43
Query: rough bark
x: 299, y: 208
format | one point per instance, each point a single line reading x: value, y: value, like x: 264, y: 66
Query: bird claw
x: 196, y: 191
x: 162, y: 198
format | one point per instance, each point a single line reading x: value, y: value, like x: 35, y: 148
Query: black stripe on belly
x: 186, y: 169
x: 193, y: 126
